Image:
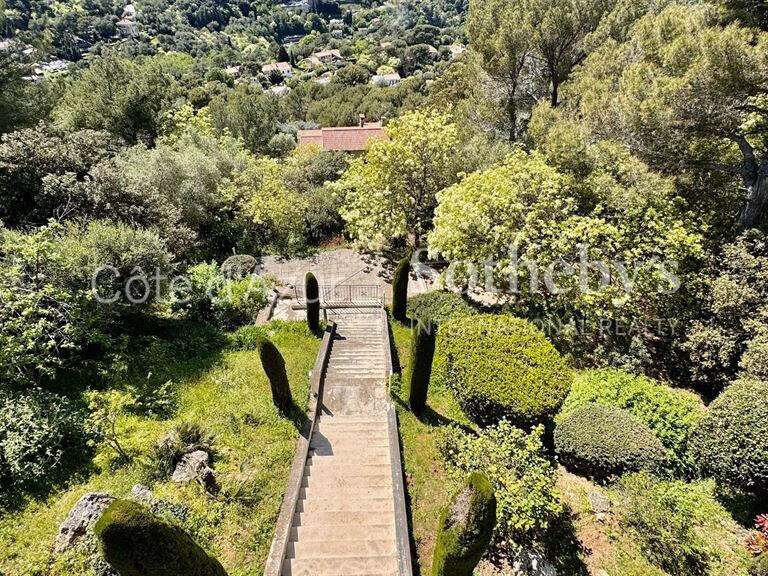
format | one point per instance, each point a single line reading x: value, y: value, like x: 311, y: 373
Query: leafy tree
x: 391, y: 192
x: 685, y: 94
x: 106, y: 409
x: 121, y: 96
x: 248, y: 114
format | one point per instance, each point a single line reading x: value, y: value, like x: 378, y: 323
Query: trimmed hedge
x: 438, y: 307
x: 731, y: 442
x: 400, y: 289
x: 670, y: 413
x: 501, y: 367
x: 605, y: 441
x: 422, y: 354
x: 274, y: 368
x: 312, y: 296
x: 466, y: 528
x: 137, y: 543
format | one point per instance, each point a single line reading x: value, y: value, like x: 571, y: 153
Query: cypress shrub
x: 137, y: 543
x: 400, y: 290
x: 731, y: 442
x: 312, y: 295
x: 274, y: 367
x: 465, y: 528
x: 422, y: 352
x: 605, y: 441
x: 500, y: 367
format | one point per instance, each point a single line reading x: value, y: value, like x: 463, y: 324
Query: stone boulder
x: 84, y: 514
x: 195, y: 467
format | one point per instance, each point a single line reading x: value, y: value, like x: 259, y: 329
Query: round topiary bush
x: 438, y: 307
x: 605, y: 441
x: 466, y: 528
x: 501, y: 367
x: 238, y: 266
x: 731, y: 441
x: 137, y: 543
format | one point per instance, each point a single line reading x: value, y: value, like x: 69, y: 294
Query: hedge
x: 438, y: 307
x: 671, y: 414
x: 501, y: 367
x: 605, y: 441
x: 731, y: 441
x: 465, y: 528
x: 137, y: 543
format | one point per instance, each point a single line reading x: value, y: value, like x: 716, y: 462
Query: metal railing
x: 346, y: 295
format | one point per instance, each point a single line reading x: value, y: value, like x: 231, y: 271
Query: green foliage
x: 106, y: 409
x: 312, y: 297
x: 730, y: 441
x: 435, y: 308
x: 606, y: 441
x: 732, y: 336
x: 759, y: 566
x: 400, y: 289
x: 137, y: 543
x: 238, y: 266
x: 422, y: 354
x: 274, y: 367
x: 186, y: 437
x: 248, y: 338
x: 247, y: 113
x: 40, y: 435
x: 391, y: 192
x: 669, y: 519
x: 501, y: 367
x: 466, y: 528
x: 671, y: 414
x: 522, y: 477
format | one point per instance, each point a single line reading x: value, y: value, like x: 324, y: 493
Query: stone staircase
x: 344, y: 522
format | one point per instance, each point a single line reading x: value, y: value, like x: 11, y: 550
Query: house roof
x: 347, y: 139
x: 281, y: 66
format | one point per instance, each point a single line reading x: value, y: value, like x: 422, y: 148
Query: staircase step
x: 357, y: 518
x: 342, y: 482
x: 352, y: 492
x: 341, y: 532
x: 346, y: 505
x: 366, y: 566
x: 351, y: 549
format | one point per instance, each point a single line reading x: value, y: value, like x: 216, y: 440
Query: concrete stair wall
x: 344, y: 521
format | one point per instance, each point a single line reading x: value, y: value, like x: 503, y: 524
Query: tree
x: 248, y: 114
x: 391, y: 192
x: 688, y: 96
x: 422, y: 353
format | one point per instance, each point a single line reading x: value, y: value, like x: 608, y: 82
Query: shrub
x: 400, y: 289
x: 523, y: 478
x: 40, y: 433
x: 238, y: 266
x: 422, y: 353
x: 603, y: 441
x: 274, y: 367
x: 501, y: 367
x: 671, y: 414
x: 465, y: 528
x: 669, y: 520
x: 185, y: 437
x: 239, y: 301
x: 137, y: 543
x: 730, y: 443
x: 248, y: 338
x: 759, y: 565
x: 312, y: 296
x: 438, y: 307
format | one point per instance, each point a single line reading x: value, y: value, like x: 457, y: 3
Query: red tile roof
x: 348, y: 139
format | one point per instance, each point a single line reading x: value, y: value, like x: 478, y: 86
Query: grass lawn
x: 225, y: 393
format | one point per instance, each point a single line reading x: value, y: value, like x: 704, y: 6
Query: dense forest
x: 606, y: 158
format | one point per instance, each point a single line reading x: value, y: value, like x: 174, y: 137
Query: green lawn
x: 226, y: 393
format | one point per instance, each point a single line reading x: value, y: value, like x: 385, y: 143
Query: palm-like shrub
x: 465, y: 528
x: 137, y: 543
x: 501, y: 367
x: 605, y: 441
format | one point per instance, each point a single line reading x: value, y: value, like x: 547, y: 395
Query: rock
x: 194, y: 467
x: 532, y: 563
x: 85, y: 513
x: 141, y: 493
x: 600, y: 504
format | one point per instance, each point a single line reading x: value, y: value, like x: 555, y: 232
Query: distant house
x: 456, y: 50
x: 233, y: 71
x: 354, y: 139
x: 328, y: 56
x: 126, y: 26
x: 432, y: 49
x: 283, y: 67
x: 325, y: 79
x: 280, y: 90
x: 385, y: 80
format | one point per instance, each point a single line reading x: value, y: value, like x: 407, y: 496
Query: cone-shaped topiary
x: 465, y: 528
x: 274, y: 367
x: 422, y: 352
x: 312, y: 295
x: 137, y: 543
x: 400, y: 289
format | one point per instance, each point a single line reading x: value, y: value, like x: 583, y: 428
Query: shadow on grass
x: 563, y: 548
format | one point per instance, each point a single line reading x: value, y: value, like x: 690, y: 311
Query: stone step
x: 342, y: 482
x: 364, y: 566
x: 341, y: 532
x: 346, y: 474
x: 355, y: 420
x: 352, y: 549
x: 347, y: 444
x: 346, y: 505
x: 351, y: 492
x: 342, y: 457
x: 356, y: 518
x: 334, y: 450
